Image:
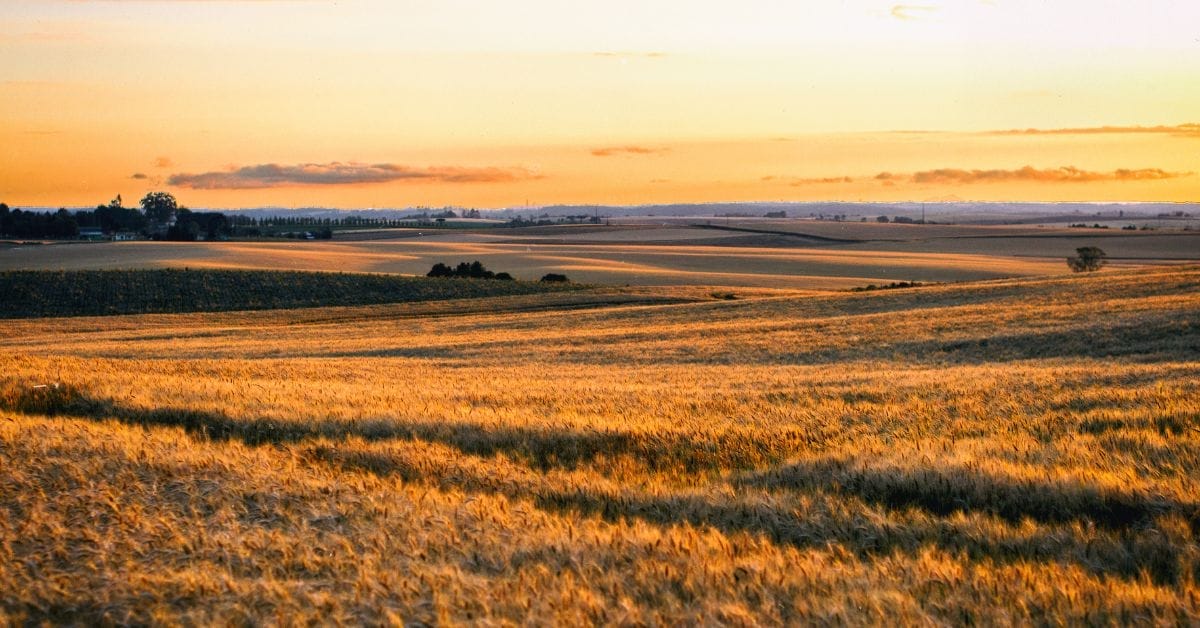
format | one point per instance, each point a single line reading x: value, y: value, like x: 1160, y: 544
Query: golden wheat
x: 1003, y: 452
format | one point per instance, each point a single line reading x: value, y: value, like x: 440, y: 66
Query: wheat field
x: 1000, y: 452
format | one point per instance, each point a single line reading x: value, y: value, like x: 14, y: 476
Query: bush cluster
x: 888, y: 286
x: 473, y: 270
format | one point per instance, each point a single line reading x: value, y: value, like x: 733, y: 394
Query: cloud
x: 163, y: 162
x: 193, y: 1
x: 33, y: 84
x: 1064, y: 174
x: 1178, y: 130
x: 802, y: 181
x: 963, y: 176
x: 339, y: 173
x: 139, y: 176
x: 910, y: 11
x: 70, y: 36
x: 627, y: 150
x: 626, y: 55
x: 819, y: 180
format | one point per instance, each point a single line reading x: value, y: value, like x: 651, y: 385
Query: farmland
x: 797, y: 254
x: 1019, y: 450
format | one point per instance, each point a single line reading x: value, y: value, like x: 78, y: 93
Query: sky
x: 401, y: 103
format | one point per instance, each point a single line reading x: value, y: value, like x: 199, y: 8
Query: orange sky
x: 393, y: 104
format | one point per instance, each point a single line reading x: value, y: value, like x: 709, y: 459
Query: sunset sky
x: 363, y: 103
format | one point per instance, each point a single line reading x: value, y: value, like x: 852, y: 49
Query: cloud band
x: 339, y: 173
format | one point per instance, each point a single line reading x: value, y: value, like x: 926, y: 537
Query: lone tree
x: 1087, y: 259
x: 159, y: 206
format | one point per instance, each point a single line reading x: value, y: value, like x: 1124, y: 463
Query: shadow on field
x: 1132, y: 544
x: 733, y: 448
x: 947, y: 489
x: 819, y: 522
x: 1148, y: 341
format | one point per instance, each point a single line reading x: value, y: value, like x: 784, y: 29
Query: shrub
x: 555, y: 277
x: 1087, y: 259
x: 889, y: 286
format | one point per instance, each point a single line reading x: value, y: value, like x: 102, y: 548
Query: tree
x: 159, y: 206
x: 440, y: 270
x: 114, y: 217
x: 555, y: 278
x: 1087, y: 259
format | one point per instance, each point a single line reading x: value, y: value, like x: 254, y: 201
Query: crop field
x: 1000, y: 452
x: 794, y: 254
x: 99, y: 292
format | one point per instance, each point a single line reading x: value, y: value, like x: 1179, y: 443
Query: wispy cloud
x: 1178, y: 130
x: 139, y: 176
x: 163, y: 162
x: 1064, y: 174
x: 338, y: 173
x: 627, y: 150
x: 32, y: 84
x: 192, y: 1
x: 627, y: 55
x: 911, y: 11
x: 1191, y: 129
x: 803, y: 181
x: 963, y: 176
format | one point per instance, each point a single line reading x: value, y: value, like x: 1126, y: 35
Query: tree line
x: 158, y: 216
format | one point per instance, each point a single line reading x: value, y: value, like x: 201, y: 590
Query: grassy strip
x: 104, y: 292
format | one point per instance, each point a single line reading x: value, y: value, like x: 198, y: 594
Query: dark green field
x: 104, y: 292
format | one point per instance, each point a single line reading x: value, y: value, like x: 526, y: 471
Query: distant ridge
x: 933, y: 207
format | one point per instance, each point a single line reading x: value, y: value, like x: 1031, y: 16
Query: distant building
x: 91, y: 233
